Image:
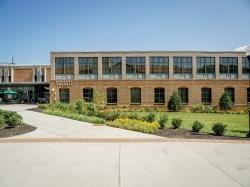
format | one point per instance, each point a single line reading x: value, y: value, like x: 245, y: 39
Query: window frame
x: 88, y: 94
x: 159, y: 97
x: 206, y: 95
x: 185, y: 99
x: 133, y: 99
x: 112, y: 93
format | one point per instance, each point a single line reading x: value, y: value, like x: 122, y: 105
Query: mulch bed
x: 186, y: 134
x: 17, y: 130
x: 36, y: 110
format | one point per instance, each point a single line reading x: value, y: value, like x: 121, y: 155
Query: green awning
x: 11, y: 92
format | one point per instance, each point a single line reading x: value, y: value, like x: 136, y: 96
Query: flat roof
x: 151, y: 51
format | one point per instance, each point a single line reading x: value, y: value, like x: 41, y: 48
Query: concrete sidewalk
x: 174, y: 164
x: 57, y: 127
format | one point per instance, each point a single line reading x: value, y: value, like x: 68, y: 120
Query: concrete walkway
x: 120, y: 164
x: 57, y: 127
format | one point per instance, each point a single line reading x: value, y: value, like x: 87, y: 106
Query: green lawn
x: 237, y: 124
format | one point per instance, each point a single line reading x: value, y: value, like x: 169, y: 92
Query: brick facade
x: 147, y: 85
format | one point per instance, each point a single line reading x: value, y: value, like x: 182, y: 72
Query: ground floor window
x: 135, y: 94
x: 88, y: 94
x: 64, y: 95
x: 112, y: 95
x: 183, y: 94
x: 159, y: 95
x: 248, y: 95
x: 230, y: 92
x: 206, y: 95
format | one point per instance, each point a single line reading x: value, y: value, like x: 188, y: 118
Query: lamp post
x: 247, y: 50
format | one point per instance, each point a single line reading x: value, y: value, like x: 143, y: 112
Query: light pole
x: 247, y: 50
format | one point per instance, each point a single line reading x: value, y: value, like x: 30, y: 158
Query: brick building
x: 29, y: 81
x: 150, y: 77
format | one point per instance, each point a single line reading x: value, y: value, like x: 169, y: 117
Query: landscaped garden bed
x: 200, y: 121
x: 11, y: 124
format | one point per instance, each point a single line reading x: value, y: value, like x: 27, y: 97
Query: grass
x: 237, y: 124
x: 75, y: 116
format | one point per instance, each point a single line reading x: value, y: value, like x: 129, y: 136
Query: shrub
x: 149, y: 117
x: 134, y: 115
x: 163, y: 121
x: 197, y: 126
x: 176, y: 122
x: 13, y: 119
x: 136, y: 125
x: 2, y: 122
x: 203, y: 109
x: 109, y: 116
x: 219, y: 129
x: 90, y: 109
x: 225, y: 102
x: 79, y: 106
x: 174, y: 103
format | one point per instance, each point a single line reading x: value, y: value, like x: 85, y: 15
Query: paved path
x: 174, y: 164
x: 120, y: 164
x: 57, y: 127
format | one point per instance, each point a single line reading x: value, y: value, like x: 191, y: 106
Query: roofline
x: 26, y: 65
x: 151, y: 51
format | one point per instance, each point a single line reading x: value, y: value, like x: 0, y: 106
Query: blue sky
x: 30, y: 29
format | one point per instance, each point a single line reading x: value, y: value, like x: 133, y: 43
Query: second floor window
x: 159, y: 65
x: 228, y: 65
x: 183, y: 65
x: 64, y: 65
x: 205, y: 65
x: 111, y: 65
x: 245, y: 66
x: 88, y: 65
x: 135, y: 65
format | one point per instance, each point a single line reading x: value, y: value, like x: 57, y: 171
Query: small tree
x: 225, y: 102
x: 99, y: 100
x: 174, y: 103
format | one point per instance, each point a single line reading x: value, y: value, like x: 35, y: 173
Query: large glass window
x: 135, y: 66
x: 159, y: 95
x: 135, y: 94
x: 230, y: 92
x: 111, y: 65
x: 88, y: 65
x: 206, y: 95
x: 182, y: 67
x: 64, y: 65
x: 228, y: 67
x: 245, y: 66
x: 183, y: 94
x: 112, y: 95
x: 205, y: 66
x: 88, y: 94
x: 159, y: 65
x: 248, y: 95
x: 64, y: 95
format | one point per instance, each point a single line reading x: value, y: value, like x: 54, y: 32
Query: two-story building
x: 150, y: 77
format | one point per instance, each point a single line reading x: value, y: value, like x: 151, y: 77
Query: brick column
x: 239, y: 67
x: 123, y: 67
x: 147, y: 67
x: 171, y: 67
x: 194, y: 67
x: 76, y: 69
x: 99, y: 68
x: 217, y: 67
